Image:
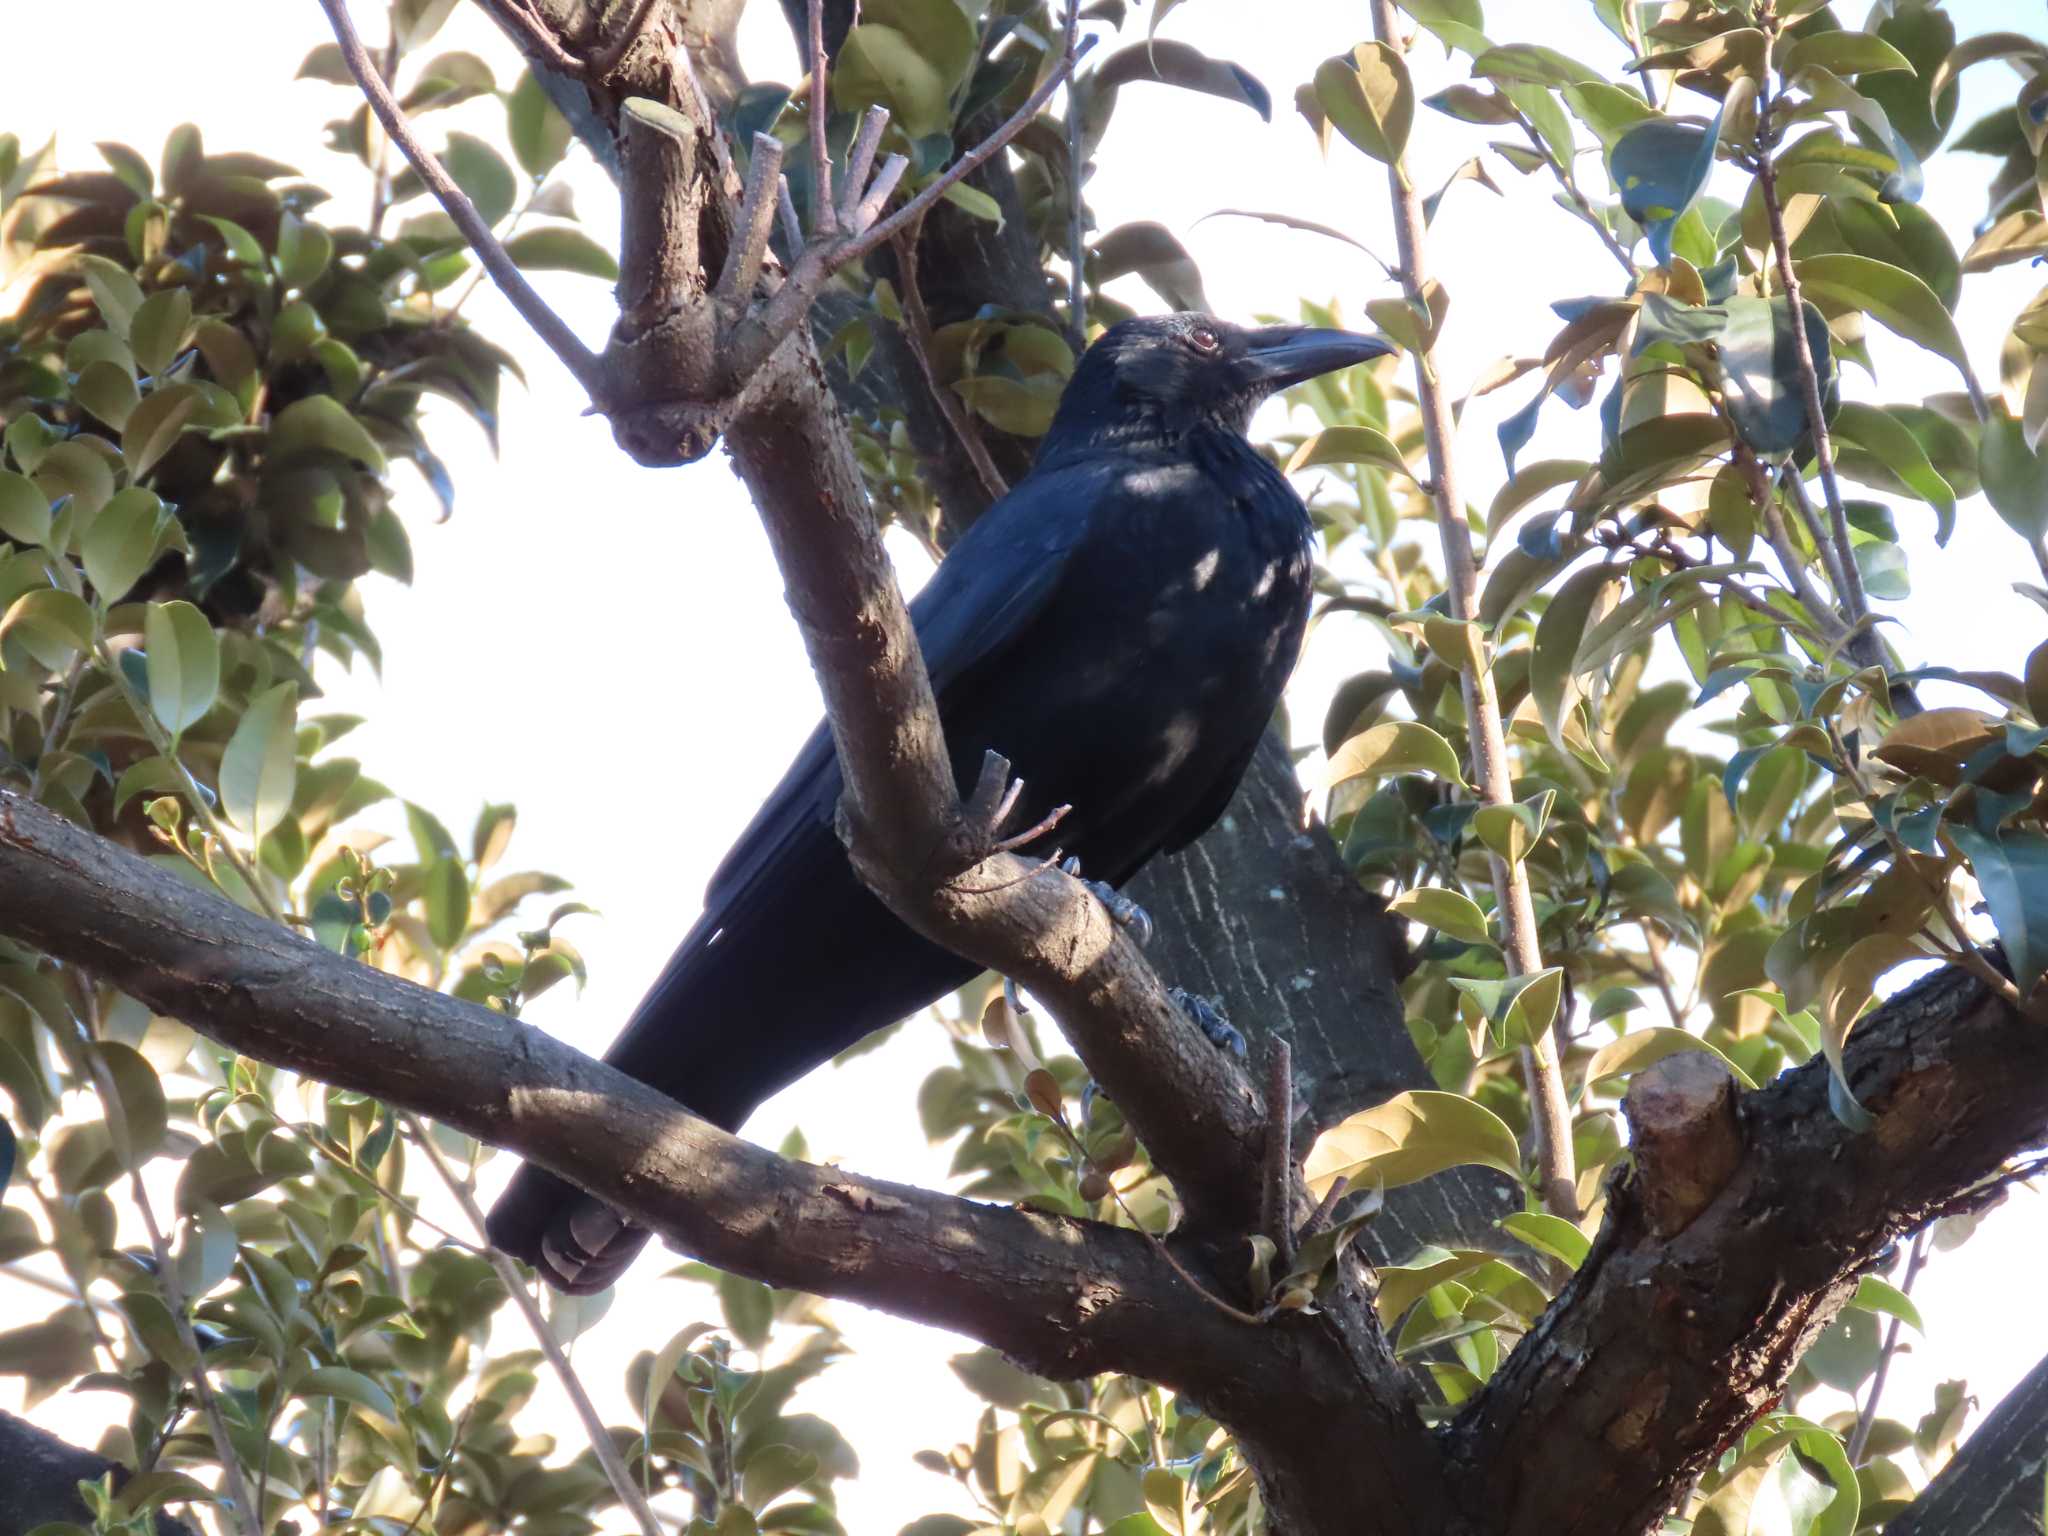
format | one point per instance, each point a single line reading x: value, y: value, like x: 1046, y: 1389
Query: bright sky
x: 606, y: 645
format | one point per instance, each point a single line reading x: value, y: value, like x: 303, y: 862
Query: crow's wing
x: 981, y: 600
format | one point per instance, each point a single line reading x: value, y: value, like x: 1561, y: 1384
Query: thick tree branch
x: 1066, y: 1297
x: 40, y: 1482
x: 1318, y: 1397
x: 1667, y: 1344
x: 1992, y: 1487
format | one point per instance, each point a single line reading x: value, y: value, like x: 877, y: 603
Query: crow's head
x: 1163, y: 374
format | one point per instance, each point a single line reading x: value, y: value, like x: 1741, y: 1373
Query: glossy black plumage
x: 1120, y: 626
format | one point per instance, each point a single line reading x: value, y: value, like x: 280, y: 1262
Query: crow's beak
x: 1281, y: 355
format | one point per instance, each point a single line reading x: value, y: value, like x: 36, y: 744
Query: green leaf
x: 974, y: 201
x: 447, y: 896
x: 1764, y: 385
x: 108, y: 390
x: 2012, y: 872
x: 1518, y: 1008
x: 1350, y: 445
x: 1369, y: 98
x: 51, y: 625
x: 559, y: 249
x: 2015, y: 477
x: 1410, y: 1137
x: 158, y: 334
x: 1875, y: 1295
x: 184, y: 664
x: 260, y: 767
x: 144, y: 1116
x: 1890, y: 295
x: 1659, y: 167
x: 114, y: 291
x: 1843, y: 53
x: 1445, y: 910
x: 122, y: 542
x: 1640, y: 1048
x: 1558, y: 636
x: 1891, y: 457
x: 880, y: 66
x: 152, y: 429
x: 303, y: 251
x: 1390, y: 748
x: 773, y: 1470
x: 24, y: 512
x: 1512, y: 830
x: 348, y: 1386
x: 321, y: 423
x: 540, y: 134
x: 482, y: 174
x: 1549, y: 1234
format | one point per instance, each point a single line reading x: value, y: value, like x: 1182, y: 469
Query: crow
x: 1120, y: 626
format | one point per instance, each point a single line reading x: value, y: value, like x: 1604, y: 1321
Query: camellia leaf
x: 1410, y: 1137
x: 482, y: 173
x: 349, y: 1386
x: 51, y: 625
x: 1848, y: 986
x: 1659, y: 167
x: 184, y: 664
x: 1765, y: 386
x: 1445, y: 910
x: 1549, y: 1234
x: 1558, y: 635
x: 539, y: 133
x: 557, y: 249
x: 321, y: 423
x: 1152, y: 251
x: 24, y: 511
x: 1368, y: 97
x: 1390, y: 748
x: 259, y: 769
x: 2015, y: 477
x: 1890, y: 295
x: 1176, y: 63
x: 1640, y: 1048
x: 880, y: 66
x: 2012, y: 872
x: 1350, y: 445
x: 123, y: 541
x: 1875, y: 1295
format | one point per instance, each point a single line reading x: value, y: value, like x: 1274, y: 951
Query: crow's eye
x: 1204, y: 340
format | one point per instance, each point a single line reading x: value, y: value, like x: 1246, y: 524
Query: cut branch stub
x: 1686, y: 1134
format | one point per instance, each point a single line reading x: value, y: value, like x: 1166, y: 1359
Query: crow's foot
x: 1223, y: 1034
x: 1123, y: 911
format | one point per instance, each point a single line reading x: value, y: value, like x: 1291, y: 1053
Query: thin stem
x: 600, y: 1438
x: 758, y: 335
x: 194, y: 795
x: 917, y: 332
x: 552, y: 329
x: 1277, y: 1215
x: 1550, y: 1111
x: 1866, y: 1418
x: 1077, y: 255
x: 1855, y: 605
x: 1794, y: 565
x: 1570, y: 183
x: 249, y: 1517
x: 380, y: 177
x: 824, y: 220
x: 1794, y: 482
x: 860, y: 160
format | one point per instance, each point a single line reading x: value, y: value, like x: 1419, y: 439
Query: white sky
x: 606, y: 645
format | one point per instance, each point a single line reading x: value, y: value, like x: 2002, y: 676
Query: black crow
x: 1119, y: 626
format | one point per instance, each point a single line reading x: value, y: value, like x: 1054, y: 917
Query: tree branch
x: 587, y: 367
x: 1667, y: 1344
x: 1549, y: 1111
x: 1992, y: 1486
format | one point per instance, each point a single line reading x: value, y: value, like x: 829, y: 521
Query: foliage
x: 1736, y: 812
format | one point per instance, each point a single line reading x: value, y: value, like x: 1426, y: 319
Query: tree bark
x: 39, y: 1478
x: 1994, y: 1484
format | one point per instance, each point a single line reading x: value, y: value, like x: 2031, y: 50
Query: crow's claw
x: 1223, y: 1034
x: 1123, y: 911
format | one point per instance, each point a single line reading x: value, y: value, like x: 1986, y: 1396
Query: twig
x: 824, y: 220
x: 1822, y: 612
x: 600, y: 1438
x: 1319, y: 1218
x: 587, y: 367
x: 233, y: 1483
x: 1276, y: 1216
x: 917, y: 333
x: 1854, y: 604
x: 1077, y: 255
x: 860, y: 159
x: 1859, y: 1438
x: 380, y: 176
x: 194, y: 796
x: 1793, y: 481
x: 1550, y: 1111
x: 1570, y: 183
x: 749, y: 245
x: 762, y: 331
